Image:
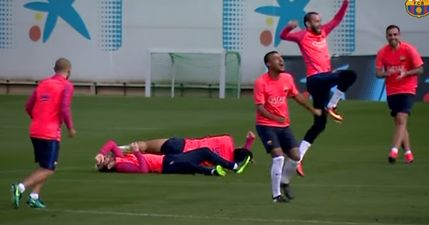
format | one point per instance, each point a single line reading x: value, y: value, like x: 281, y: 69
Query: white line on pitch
x: 224, y: 218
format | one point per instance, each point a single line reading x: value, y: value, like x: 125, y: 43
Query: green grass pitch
x: 348, y: 180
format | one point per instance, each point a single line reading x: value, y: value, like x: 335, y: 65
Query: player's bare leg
x: 38, y: 187
x: 34, y: 200
x: 35, y: 180
x: 400, y: 121
x: 406, y: 145
x: 39, y: 175
x: 151, y: 146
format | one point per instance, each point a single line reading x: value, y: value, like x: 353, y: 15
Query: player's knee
x: 50, y: 172
x: 347, y: 78
x: 48, y: 167
x: 205, y: 150
x: 401, y: 119
x: 351, y: 76
x: 294, y: 154
x: 142, y: 146
x: 276, y: 152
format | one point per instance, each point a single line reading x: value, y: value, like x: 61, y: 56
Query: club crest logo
x: 417, y: 8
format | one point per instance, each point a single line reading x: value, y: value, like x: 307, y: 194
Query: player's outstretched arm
x: 250, y: 138
x: 334, y: 22
x: 287, y: 33
x: 300, y: 99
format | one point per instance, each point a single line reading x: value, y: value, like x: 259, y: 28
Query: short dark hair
x: 104, y: 169
x: 392, y: 26
x: 61, y: 65
x: 267, y: 56
x: 308, y: 16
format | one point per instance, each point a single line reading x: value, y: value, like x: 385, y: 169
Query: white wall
x: 180, y: 24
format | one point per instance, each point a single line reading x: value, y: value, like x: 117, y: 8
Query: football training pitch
x: 348, y: 179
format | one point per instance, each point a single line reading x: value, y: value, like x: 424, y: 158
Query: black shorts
x: 173, y: 145
x: 46, y: 152
x: 276, y: 137
x: 319, y: 86
x: 400, y: 103
x: 176, y: 163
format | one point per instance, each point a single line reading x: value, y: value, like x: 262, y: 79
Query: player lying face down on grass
x: 111, y: 159
x: 222, y: 145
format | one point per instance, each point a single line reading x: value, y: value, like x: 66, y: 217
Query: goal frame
x: 222, y: 72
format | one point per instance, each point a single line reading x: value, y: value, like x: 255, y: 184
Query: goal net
x: 203, y: 68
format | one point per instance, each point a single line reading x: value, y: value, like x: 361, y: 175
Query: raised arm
x: 287, y: 32
x: 337, y: 18
x: 250, y: 138
x: 111, y: 146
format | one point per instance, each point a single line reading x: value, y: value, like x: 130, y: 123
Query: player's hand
x: 134, y: 147
x: 292, y: 24
x: 251, y: 135
x: 391, y: 71
x: 72, y: 132
x: 280, y: 119
x: 317, y: 112
x: 401, y: 75
x: 99, y: 158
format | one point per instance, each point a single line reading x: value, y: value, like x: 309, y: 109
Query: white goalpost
x: 192, y: 67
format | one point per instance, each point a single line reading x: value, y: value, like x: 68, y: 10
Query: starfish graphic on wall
x: 286, y: 10
x: 62, y: 9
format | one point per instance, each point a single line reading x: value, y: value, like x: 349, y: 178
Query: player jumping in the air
x: 313, y: 43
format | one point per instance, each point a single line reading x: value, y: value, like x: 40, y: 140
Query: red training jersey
x: 135, y: 162
x: 314, y: 47
x: 223, y: 145
x: 405, y: 57
x: 49, y: 106
x: 154, y: 162
x: 273, y: 94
